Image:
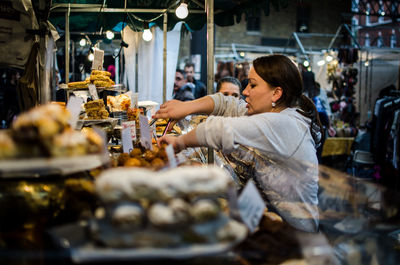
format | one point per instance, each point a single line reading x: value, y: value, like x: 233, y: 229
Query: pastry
x: 99, y: 72
x: 127, y: 215
x: 8, y: 148
x: 204, y: 210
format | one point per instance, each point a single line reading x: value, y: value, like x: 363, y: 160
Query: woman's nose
x: 245, y: 91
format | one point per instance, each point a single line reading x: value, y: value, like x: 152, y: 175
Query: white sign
x: 132, y: 126
x: 145, y: 136
x: 74, y: 106
x: 134, y: 100
x: 171, y: 156
x: 93, y: 91
x: 98, y: 59
x: 251, y: 206
x: 127, y: 145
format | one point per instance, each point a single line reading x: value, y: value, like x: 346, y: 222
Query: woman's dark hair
x: 280, y: 71
x: 229, y: 79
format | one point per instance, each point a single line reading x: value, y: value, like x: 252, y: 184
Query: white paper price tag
x: 127, y: 145
x: 134, y: 100
x: 98, y: 59
x: 251, y: 206
x: 132, y: 126
x: 74, y: 106
x: 93, y: 91
x: 171, y: 156
x: 145, y: 136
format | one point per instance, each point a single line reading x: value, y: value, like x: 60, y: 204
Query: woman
x: 269, y: 120
x: 276, y: 118
x: 229, y: 86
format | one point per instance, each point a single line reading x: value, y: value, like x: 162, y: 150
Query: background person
x: 199, y: 87
x: 182, y: 89
x: 229, y: 86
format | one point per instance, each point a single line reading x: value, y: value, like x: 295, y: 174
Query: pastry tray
x: 36, y: 167
x: 118, y: 87
x: 82, y: 122
x: 82, y: 250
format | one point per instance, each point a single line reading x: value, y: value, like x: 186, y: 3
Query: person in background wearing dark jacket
x: 199, y: 87
x: 182, y: 89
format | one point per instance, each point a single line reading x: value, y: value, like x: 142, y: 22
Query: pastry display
x: 79, y: 84
x: 97, y: 77
x: 140, y: 157
x: 95, y: 110
x: 119, y: 103
x: 44, y: 132
x: 178, y: 205
x: 101, y: 78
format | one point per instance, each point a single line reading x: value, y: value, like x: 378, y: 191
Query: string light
x: 306, y: 64
x: 182, y: 10
x: 82, y: 42
x: 147, y: 35
x: 109, y: 34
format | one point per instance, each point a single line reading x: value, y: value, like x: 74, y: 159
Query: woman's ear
x: 277, y: 94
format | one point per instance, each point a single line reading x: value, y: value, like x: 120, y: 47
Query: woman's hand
x: 176, y: 141
x: 173, y: 109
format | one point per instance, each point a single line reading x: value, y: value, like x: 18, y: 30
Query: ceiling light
x: 321, y: 63
x: 182, y: 10
x: 82, y: 42
x: 147, y: 35
x: 109, y: 34
x: 306, y: 64
x: 329, y: 58
x: 91, y: 57
x: 366, y: 64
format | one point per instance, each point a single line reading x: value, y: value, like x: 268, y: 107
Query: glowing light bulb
x: 321, y: 63
x: 82, y: 42
x: 306, y: 64
x: 147, y: 35
x: 366, y: 64
x: 329, y: 58
x: 182, y: 11
x: 91, y: 57
x: 109, y: 34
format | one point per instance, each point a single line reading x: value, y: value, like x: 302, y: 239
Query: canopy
x: 107, y: 16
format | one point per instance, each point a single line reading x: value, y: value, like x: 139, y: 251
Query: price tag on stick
x: 127, y: 145
x: 74, y: 107
x: 98, y: 59
x: 251, y: 206
x: 171, y: 156
x: 145, y: 136
x: 132, y: 126
x: 93, y: 91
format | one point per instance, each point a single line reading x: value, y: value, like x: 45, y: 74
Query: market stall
x: 78, y: 186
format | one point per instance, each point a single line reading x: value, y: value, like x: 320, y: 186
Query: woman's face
x: 229, y: 89
x: 259, y: 94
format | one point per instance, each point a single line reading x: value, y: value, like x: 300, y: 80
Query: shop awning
x: 227, y: 13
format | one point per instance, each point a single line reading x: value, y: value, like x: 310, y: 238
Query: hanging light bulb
x: 321, y: 63
x: 82, y: 42
x: 182, y: 10
x: 91, y: 57
x: 109, y: 34
x: 306, y: 64
x: 329, y: 58
x: 147, y: 35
